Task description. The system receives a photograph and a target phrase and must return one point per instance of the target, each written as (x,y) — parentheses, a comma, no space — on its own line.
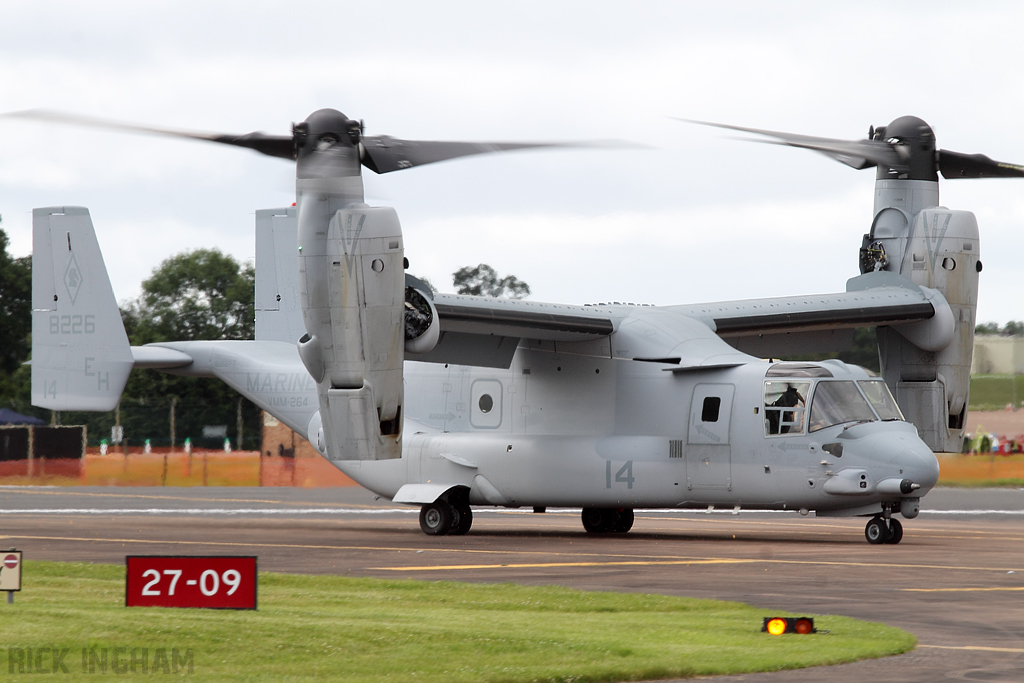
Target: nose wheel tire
(896,532)
(878,533)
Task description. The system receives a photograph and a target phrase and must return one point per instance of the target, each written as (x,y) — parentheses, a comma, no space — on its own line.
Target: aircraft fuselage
(563,430)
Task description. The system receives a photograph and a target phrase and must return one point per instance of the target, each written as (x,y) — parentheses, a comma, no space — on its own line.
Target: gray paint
(582,430)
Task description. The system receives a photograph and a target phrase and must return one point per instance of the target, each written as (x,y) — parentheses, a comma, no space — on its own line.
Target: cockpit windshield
(881,399)
(838,402)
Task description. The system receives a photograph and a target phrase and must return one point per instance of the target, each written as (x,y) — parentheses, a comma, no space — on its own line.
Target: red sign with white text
(217,582)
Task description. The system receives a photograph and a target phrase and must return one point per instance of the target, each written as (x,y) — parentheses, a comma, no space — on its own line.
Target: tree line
(1014,328)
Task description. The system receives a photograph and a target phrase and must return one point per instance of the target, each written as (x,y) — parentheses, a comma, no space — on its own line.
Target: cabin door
(708,453)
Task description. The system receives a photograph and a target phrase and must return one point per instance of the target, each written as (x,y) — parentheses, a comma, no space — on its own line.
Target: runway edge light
(776,626)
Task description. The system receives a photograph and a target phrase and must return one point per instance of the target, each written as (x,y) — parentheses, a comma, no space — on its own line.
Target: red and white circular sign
(11,561)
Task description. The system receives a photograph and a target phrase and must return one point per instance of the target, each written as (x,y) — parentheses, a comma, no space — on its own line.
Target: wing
(825,322)
(486,332)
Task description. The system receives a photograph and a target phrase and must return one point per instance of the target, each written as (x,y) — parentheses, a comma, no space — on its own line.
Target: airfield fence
(162,467)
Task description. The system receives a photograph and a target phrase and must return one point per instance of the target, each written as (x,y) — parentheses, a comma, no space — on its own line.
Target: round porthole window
(486,403)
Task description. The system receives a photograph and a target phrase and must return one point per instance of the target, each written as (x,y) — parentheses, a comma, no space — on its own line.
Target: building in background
(998,355)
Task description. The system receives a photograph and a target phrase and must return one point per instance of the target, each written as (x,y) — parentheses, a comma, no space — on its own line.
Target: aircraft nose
(921,466)
(902,455)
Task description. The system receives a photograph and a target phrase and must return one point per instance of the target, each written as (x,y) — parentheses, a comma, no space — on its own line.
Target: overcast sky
(700,216)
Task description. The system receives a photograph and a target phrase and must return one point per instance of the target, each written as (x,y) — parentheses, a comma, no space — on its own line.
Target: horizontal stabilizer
(159,358)
(80,352)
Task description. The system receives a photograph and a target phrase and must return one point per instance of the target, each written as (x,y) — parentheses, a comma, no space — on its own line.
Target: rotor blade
(273,145)
(854,153)
(383,153)
(956,165)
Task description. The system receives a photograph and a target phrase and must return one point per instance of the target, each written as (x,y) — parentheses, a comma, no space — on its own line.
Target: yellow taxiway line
(546,565)
(973,647)
(698,560)
(962,590)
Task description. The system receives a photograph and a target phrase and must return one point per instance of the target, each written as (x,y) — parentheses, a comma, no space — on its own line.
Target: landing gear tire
(625,520)
(895,532)
(437,518)
(596,520)
(876,532)
(464,522)
(607,520)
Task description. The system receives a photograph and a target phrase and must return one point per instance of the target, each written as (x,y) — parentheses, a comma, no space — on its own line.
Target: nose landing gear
(884,529)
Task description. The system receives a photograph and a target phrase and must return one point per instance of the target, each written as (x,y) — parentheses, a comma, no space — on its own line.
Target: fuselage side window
(784,406)
(710,409)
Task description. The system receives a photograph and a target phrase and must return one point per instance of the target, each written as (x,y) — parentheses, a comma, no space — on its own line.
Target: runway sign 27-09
(188,581)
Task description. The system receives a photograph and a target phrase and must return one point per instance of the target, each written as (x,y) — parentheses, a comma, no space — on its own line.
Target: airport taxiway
(956,581)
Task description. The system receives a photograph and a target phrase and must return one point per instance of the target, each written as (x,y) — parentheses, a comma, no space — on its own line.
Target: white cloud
(699,217)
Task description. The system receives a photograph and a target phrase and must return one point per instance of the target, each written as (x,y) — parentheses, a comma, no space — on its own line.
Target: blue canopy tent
(9,417)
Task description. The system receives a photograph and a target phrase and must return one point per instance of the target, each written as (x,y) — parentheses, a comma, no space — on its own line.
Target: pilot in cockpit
(790,398)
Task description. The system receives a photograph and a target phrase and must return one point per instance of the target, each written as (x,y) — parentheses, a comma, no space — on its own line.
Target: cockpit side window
(881,399)
(784,406)
(838,402)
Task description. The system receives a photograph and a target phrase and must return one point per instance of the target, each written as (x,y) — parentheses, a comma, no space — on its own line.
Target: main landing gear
(443,517)
(607,520)
(878,532)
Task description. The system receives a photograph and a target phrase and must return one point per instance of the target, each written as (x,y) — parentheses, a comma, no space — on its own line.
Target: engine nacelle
(422,329)
(352,276)
(937,248)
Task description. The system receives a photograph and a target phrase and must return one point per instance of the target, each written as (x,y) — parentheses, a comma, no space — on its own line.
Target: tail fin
(278,313)
(81,357)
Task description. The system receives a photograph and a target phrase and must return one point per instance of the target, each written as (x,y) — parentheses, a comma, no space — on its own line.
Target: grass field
(318,628)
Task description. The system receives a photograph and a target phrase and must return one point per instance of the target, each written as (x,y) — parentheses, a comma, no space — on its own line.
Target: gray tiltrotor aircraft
(447,401)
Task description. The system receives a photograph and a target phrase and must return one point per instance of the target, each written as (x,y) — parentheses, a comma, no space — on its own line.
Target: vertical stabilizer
(278,313)
(80,352)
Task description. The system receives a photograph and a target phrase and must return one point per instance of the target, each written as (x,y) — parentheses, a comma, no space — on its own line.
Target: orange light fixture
(776,626)
(803,626)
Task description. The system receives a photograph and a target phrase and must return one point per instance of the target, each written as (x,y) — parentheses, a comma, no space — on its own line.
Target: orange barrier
(201,468)
(52,471)
(247,468)
(978,469)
